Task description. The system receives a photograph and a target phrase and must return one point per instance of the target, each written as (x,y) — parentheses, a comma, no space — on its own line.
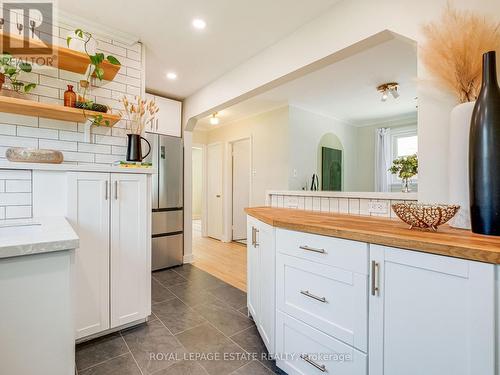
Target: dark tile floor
(199,326)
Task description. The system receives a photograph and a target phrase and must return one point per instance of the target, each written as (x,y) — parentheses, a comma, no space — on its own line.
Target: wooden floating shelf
(62,57)
(52,111)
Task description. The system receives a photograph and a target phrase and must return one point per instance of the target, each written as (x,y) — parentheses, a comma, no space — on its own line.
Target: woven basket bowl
(425,216)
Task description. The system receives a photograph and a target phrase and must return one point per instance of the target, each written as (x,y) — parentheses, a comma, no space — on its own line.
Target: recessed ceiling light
(199,24)
(171,75)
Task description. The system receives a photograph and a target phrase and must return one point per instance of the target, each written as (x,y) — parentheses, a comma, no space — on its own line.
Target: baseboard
(188,258)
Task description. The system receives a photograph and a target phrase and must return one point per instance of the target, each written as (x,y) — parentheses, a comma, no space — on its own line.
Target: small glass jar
(70,97)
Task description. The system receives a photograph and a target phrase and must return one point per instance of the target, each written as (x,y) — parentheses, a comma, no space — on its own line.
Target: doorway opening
(241,186)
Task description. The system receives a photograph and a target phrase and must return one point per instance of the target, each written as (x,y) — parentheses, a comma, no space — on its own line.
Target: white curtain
(382,159)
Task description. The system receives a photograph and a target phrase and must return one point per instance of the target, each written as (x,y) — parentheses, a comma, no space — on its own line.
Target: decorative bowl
(425,216)
(33,155)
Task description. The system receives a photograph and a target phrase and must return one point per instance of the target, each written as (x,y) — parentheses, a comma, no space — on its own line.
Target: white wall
(305,132)
(349,22)
(197,161)
(268,133)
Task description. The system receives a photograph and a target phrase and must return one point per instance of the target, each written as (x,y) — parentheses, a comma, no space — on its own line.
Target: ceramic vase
(458,165)
(484,153)
(134,148)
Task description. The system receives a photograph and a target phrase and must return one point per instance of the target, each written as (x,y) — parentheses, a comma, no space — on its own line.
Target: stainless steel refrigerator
(168,219)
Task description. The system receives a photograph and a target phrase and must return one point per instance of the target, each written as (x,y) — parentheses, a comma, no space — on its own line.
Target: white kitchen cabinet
(129,258)
(261,260)
(88,213)
(430,314)
(111,214)
(168,119)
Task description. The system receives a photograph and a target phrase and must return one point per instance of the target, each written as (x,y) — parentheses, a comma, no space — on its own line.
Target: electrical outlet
(375,207)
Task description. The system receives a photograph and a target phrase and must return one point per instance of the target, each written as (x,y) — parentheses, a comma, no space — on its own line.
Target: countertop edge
(410,242)
(74,168)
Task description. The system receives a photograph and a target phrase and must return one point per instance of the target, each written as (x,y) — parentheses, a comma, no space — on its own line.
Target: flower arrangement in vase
(452,53)
(138,115)
(405,168)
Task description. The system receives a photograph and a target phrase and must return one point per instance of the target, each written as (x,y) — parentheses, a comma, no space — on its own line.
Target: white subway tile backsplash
(57,124)
(78,156)
(7,129)
(18,186)
(27,131)
(10,199)
(109,140)
(18,212)
(2,186)
(15,174)
(2,213)
(58,145)
(94,148)
(24,131)
(71,136)
(10,118)
(12,141)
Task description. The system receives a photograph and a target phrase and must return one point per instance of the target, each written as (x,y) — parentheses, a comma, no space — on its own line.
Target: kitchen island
(389,299)
(37,296)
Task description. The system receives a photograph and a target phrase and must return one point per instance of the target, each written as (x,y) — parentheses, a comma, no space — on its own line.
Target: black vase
(484,153)
(134,148)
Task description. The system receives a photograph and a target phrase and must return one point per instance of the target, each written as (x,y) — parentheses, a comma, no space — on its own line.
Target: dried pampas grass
(454,48)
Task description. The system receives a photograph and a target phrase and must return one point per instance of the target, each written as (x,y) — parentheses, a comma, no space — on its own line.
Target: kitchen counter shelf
(52,111)
(61,57)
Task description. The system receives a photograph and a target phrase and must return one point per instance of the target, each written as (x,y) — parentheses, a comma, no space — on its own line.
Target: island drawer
(333,300)
(303,350)
(337,252)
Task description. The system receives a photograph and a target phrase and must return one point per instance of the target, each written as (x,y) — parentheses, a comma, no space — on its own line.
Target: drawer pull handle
(313,249)
(375,279)
(306,358)
(310,295)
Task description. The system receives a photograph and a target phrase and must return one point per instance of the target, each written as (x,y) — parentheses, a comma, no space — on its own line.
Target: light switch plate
(375,207)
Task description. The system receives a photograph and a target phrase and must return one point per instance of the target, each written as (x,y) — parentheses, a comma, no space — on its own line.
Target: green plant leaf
(25,67)
(100,57)
(113,60)
(10,71)
(68,40)
(99,73)
(79,33)
(107,122)
(29,87)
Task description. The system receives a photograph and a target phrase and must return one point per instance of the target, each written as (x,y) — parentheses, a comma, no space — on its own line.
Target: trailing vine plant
(94,69)
(11,68)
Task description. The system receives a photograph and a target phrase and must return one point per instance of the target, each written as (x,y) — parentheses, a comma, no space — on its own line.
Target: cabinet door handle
(253,236)
(306,358)
(375,278)
(313,249)
(106,190)
(116,190)
(256,233)
(310,295)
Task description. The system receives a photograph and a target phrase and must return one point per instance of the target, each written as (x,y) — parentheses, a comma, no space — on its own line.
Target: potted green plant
(10,68)
(405,168)
(94,69)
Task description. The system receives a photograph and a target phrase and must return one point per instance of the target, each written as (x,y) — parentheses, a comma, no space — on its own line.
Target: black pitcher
(484,153)
(134,149)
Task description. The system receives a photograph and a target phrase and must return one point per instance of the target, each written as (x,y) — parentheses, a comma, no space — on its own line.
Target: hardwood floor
(226,261)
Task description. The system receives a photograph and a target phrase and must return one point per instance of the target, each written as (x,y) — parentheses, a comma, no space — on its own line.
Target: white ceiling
(236,30)
(345,90)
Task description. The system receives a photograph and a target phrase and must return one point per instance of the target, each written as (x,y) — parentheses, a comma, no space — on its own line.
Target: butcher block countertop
(384,231)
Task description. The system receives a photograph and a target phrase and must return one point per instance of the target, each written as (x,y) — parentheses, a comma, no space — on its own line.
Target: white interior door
(241,187)
(215,156)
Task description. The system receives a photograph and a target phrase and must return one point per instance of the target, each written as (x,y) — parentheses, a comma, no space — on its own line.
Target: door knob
(218,195)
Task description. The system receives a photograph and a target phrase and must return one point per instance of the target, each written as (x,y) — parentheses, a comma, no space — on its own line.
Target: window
(404,143)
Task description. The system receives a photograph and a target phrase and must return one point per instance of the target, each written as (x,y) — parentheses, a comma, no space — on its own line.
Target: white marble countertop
(23,237)
(74,167)
(347,194)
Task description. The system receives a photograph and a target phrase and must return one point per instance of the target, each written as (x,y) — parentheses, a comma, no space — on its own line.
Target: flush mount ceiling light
(214,120)
(199,24)
(388,88)
(171,76)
